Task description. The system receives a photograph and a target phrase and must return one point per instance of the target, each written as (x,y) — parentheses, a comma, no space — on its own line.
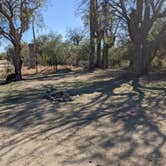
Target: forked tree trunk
(142,60)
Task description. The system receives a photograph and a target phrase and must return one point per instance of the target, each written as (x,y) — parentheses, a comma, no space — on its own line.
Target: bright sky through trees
(59,15)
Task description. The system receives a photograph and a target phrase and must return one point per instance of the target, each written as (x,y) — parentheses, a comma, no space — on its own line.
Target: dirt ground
(111,121)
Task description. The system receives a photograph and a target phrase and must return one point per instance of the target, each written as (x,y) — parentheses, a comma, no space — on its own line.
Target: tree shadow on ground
(57,75)
(112,126)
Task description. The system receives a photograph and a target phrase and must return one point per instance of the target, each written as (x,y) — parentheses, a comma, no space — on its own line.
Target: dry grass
(45,69)
(40,70)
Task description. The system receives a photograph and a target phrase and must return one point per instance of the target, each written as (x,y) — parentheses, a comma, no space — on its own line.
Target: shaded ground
(111,121)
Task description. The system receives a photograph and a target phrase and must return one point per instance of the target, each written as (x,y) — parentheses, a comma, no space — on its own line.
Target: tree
(110,25)
(99,34)
(51,49)
(103,25)
(25,53)
(37,22)
(15,17)
(76,35)
(140,16)
(92,20)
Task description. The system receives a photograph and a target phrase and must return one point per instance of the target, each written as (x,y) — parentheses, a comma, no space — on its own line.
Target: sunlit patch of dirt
(109,121)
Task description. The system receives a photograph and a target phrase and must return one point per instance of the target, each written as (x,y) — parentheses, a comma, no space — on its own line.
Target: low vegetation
(94,98)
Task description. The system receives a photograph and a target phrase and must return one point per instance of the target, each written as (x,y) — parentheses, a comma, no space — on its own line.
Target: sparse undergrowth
(110,121)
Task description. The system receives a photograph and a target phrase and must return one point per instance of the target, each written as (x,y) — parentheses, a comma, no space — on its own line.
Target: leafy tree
(109,28)
(103,25)
(140,16)
(51,49)
(15,17)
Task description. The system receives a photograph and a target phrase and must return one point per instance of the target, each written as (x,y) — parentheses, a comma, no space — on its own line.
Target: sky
(59,15)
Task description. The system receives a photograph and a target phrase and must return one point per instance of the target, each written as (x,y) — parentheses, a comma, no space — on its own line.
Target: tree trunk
(105,56)
(92,33)
(98,60)
(146,57)
(98,36)
(142,58)
(131,64)
(92,52)
(34,41)
(18,62)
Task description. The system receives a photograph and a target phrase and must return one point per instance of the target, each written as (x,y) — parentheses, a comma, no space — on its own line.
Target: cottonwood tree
(103,25)
(109,28)
(140,16)
(15,16)
(88,10)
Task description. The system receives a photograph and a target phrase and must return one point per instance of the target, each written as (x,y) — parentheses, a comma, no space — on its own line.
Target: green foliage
(25,54)
(119,55)
(156,63)
(83,51)
(3,56)
(53,51)
(10,53)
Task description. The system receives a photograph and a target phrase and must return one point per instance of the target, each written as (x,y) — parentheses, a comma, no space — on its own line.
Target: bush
(8,69)
(156,63)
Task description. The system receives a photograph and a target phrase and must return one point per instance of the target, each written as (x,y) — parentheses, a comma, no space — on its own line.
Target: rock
(57,95)
(11,77)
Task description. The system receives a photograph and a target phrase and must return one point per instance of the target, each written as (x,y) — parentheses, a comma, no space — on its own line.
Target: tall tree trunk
(34,41)
(98,60)
(105,10)
(139,27)
(18,62)
(146,59)
(92,33)
(105,56)
(142,57)
(98,36)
